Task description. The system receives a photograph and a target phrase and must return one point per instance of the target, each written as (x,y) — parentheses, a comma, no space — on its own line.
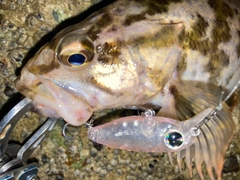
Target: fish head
(101,63)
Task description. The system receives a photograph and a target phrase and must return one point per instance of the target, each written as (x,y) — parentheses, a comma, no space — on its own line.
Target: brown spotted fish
(175,56)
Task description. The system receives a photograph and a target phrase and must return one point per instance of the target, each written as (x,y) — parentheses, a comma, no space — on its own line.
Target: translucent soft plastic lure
(204,137)
(148,133)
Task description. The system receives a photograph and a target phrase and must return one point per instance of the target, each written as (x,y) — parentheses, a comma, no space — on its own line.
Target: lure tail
(210,145)
(215,134)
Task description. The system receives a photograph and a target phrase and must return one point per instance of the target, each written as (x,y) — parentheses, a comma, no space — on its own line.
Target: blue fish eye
(173,139)
(77,59)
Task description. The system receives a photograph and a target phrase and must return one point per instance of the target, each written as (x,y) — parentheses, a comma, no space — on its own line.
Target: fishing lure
(202,137)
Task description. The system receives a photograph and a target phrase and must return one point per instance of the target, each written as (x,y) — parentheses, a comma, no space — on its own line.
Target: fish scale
(174,56)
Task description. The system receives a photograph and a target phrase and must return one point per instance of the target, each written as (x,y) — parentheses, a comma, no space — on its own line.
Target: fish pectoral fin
(182,101)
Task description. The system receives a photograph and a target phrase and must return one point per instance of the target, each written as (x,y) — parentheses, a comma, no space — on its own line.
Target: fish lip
(50,103)
(30,93)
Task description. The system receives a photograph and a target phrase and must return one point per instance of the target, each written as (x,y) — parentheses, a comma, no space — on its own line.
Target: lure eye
(173,139)
(75,51)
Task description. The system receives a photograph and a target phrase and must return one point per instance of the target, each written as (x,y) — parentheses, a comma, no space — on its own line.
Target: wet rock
(105,161)
(131,178)
(179,178)
(15,33)
(12,6)
(4,68)
(22,38)
(16,56)
(45,159)
(97,146)
(58,15)
(3,41)
(31,21)
(21,2)
(132,166)
(151,166)
(116,151)
(119,171)
(36,178)
(3,1)
(59,177)
(103,172)
(8,91)
(149,178)
(4,5)
(12,44)
(144,175)
(11,26)
(230,164)
(109,167)
(40,16)
(93,152)
(113,162)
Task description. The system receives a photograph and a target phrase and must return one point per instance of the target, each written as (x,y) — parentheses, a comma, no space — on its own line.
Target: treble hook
(88,124)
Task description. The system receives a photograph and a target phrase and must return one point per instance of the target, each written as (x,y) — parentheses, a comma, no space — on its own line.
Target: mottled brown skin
(192,39)
(220,34)
(115,19)
(44,69)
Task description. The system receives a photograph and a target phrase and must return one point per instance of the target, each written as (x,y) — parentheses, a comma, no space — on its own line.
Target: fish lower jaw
(45,111)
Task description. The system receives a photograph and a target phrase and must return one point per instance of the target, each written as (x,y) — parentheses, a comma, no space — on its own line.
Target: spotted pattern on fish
(101,86)
(163,38)
(182,64)
(22,88)
(155,6)
(103,21)
(221,33)
(44,68)
(134,18)
(109,52)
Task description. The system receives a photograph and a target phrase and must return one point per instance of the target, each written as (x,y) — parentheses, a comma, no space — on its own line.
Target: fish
(173,56)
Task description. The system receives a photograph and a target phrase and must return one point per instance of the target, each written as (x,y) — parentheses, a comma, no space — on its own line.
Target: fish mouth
(50,100)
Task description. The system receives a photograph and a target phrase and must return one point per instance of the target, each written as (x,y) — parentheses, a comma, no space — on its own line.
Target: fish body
(132,50)
(176,56)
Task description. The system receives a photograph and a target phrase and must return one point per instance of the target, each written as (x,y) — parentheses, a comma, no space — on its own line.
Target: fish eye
(75,50)
(76,59)
(173,139)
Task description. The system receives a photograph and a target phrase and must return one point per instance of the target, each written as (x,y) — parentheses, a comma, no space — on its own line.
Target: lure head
(148,134)
(103,62)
